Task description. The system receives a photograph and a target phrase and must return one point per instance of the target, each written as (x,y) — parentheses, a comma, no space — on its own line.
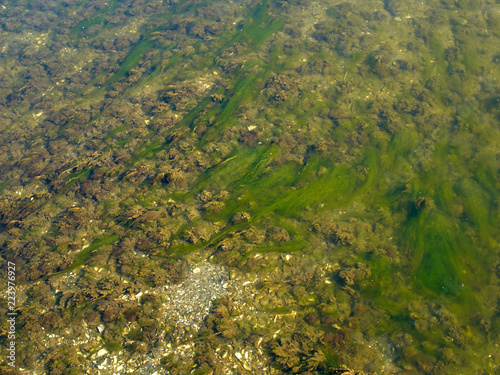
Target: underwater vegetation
(207,187)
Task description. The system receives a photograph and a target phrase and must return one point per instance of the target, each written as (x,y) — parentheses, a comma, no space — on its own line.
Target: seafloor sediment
(247,187)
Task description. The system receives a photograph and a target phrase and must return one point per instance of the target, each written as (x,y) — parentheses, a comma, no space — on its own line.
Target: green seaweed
(130,61)
(96,19)
(437,251)
(77,177)
(366,132)
(3,185)
(290,247)
(85,255)
(114,132)
(476,204)
(258,26)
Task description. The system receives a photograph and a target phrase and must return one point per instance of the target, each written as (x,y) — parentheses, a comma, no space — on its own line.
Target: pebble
(190,301)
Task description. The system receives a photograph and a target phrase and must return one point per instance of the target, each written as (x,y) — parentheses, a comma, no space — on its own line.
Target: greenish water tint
(365,134)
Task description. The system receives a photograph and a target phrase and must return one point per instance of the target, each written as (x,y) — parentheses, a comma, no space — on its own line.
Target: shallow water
(338,160)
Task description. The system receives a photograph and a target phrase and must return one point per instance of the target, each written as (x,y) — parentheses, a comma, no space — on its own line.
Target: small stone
(240,217)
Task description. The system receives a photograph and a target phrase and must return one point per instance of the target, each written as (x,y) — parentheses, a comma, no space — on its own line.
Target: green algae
(433,200)
(130,61)
(257,27)
(290,247)
(242,92)
(3,185)
(476,203)
(258,30)
(435,251)
(77,177)
(112,346)
(92,250)
(96,19)
(114,132)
